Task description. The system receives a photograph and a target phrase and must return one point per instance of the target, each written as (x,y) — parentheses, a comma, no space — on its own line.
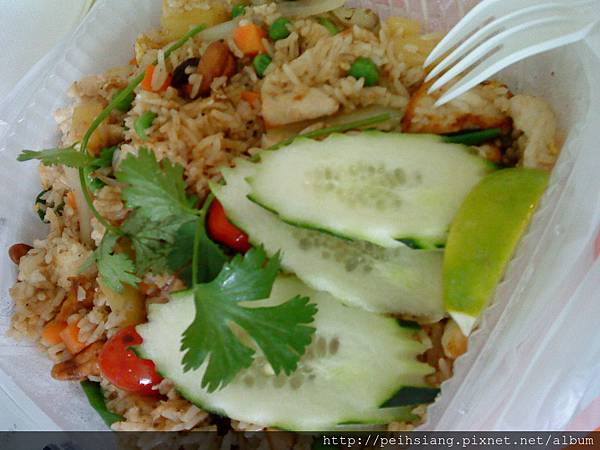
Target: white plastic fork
(498,33)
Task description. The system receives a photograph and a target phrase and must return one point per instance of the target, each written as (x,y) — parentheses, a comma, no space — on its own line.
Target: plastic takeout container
(534,363)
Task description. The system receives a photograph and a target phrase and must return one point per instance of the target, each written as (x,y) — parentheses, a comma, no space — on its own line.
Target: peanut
(17,251)
(80,366)
(216,62)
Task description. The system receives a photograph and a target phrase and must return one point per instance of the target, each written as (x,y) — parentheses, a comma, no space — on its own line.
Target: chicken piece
(294,107)
(81,366)
(482,107)
(535,128)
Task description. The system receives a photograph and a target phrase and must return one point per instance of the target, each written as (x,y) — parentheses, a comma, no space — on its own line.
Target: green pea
(238,10)
(125,104)
(260,63)
(279,29)
(329,25)
(365,68)
(144,122)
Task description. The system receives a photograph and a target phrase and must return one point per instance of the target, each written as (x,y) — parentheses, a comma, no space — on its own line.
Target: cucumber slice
(356,361)
(378,187)
(382,280)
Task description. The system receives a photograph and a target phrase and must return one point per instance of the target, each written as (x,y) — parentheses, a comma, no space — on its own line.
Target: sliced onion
(305,8)
(221,31)
(83,211)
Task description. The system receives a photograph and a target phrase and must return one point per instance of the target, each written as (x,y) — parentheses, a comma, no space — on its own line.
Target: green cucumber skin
(420,244)
(413,243)
(382,386)
(410,324)
(347,226)
(405,281)
(401,413)
(306,226)
(411,395)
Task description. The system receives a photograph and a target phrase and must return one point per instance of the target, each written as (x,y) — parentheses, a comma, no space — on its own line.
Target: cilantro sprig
(281,332)
(155,192)
(167,232)
(163,222)
(162,210)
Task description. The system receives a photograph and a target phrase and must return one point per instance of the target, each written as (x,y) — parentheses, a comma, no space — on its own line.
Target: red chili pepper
(221,230)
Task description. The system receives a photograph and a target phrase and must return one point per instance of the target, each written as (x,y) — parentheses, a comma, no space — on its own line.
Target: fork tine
(496,26)
(483,50)
(467,25)
(501,39)
(511,53)
(479,15)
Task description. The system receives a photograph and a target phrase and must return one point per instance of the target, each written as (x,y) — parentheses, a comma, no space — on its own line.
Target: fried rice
(304,87)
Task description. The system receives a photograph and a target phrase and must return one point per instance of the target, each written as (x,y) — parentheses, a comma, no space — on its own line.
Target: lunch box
(534,361)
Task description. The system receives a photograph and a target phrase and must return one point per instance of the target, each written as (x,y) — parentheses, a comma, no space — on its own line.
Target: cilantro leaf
(210,258)
(248,278)
(281,331)
(156,188)
(114,268)
(180,257)
(153,240)
(58,156)
(156,191)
